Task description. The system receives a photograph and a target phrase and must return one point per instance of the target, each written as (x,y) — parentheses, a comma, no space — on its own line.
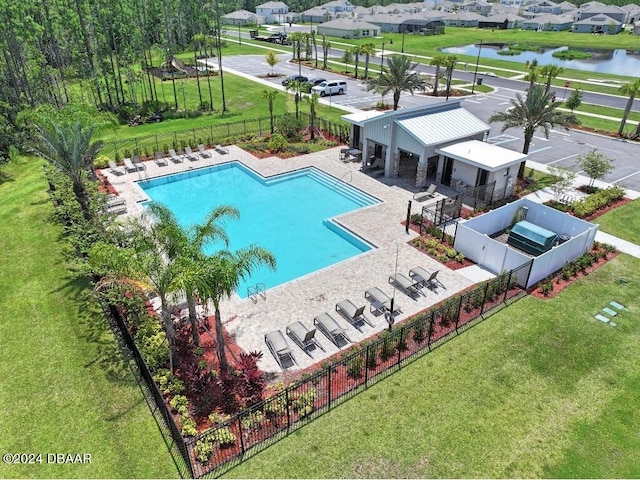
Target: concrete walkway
(546,194)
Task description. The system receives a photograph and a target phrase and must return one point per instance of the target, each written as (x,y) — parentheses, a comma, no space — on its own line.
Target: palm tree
(450,64)
(295,87)
(325,51)
(631,90)
(184,249)
(367,50)
(550,72)
(270,95)
(140,266)
(532,73)
(355,52)
(69,148)
(313,100)
(223,273)
(397,77)
(438,61)
(537,111)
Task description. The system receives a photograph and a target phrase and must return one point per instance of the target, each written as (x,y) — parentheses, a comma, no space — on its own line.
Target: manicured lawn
(541,389)
(623,222)
(64,386)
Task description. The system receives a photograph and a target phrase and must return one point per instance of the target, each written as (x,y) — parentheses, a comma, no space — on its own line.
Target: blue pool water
(289,214)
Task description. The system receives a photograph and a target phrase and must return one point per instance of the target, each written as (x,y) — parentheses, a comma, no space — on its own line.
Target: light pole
(402,47)
(239,37)
(382,59)
(389,314)
(475,74)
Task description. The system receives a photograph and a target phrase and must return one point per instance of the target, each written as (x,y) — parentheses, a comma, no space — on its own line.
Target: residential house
(339,6)
(317,15)
(545,6)
(481,8)
(430,144)
(548,22)
(512,3)
(598,24)
(463,19)
(273,12)
(567,8)
(633,13)
(591,9)
(242,17)
(501,21)
(348,28)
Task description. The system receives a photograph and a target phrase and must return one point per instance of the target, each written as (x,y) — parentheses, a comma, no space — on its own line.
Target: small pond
(619,62)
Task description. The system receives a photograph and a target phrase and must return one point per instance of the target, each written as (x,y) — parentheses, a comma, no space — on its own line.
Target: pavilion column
(421,175)
(395,165)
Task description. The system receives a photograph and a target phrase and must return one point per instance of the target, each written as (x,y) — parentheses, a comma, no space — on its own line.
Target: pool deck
(306,297)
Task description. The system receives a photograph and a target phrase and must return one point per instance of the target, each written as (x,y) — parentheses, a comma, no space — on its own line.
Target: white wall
(464,172)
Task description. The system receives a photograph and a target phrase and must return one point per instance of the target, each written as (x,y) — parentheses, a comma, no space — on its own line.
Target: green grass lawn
(64,388)
(623,222)
(540,389)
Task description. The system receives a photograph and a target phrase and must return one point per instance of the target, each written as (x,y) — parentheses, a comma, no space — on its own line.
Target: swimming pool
(290,214)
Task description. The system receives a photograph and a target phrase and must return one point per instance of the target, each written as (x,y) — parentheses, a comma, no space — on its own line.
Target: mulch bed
(560,284)
(601,211)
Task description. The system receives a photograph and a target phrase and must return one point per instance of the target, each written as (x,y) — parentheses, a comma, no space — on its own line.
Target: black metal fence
(250,431)
(167,425)
(211,135)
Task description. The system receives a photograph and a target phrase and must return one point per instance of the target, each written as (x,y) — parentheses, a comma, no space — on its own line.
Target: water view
(619,62)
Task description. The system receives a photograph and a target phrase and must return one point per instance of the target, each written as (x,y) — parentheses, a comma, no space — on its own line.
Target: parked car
(312,82)
(293,78)
(330,87)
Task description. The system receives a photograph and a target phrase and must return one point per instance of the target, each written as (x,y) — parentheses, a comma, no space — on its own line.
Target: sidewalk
(545,194)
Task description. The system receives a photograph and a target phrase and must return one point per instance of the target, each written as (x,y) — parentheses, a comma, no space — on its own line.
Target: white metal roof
(482,154)
(438,127)
(359,117)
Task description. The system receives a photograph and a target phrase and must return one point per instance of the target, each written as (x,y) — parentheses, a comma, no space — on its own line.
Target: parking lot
(562,148)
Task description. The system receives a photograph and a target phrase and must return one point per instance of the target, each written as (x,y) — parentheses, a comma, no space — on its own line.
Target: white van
(330,87)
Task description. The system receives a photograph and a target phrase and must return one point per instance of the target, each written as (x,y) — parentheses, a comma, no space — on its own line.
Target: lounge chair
(422,276)
(279,347)
(204,153)
(428,193)
(328,325)
(380,302)
(128,166)
(115,169)
(377,164)
(351,313)
(410,286)
(222,150)
(303,336)
(137,161)
(160,160)
(114,201)
(175,158)
(190,155)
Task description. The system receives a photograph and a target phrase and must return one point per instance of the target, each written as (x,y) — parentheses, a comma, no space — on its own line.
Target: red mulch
(104,186)
(560,284)
(451,264)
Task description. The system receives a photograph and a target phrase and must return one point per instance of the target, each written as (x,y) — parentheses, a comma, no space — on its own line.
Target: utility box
(479,80)
(531,238)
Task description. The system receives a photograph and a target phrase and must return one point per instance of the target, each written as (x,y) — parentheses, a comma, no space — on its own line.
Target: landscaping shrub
(354,367)
(224,437)
(204,449)
(152,342)
(289,126)
(302,402)
(602,198)
(277,143)
(188,426)
(179,404)
(252,420)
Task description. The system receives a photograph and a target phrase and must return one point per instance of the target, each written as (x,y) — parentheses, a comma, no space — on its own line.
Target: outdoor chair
(190,155)
(128,166)
(380,301)
(426,279)
(204,153)
(328,325)
(428,193)
(114,201)
(160,160)
(175,158)
(303,336)
(115,169)
(343,154)
(279,347)
(351,313)
(222,150)
(137,161)
(410,286)
(375,166)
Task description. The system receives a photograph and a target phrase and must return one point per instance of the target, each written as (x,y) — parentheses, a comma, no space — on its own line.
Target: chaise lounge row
(134,163)
(380,303)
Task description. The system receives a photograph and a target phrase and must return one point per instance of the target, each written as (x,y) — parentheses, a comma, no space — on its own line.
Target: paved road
(561,149)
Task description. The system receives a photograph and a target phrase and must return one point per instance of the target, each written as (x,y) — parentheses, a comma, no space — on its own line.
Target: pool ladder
(256,292)
(349,172)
